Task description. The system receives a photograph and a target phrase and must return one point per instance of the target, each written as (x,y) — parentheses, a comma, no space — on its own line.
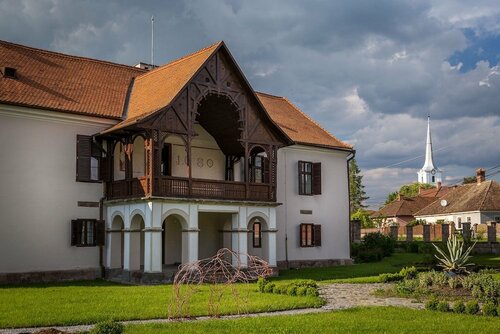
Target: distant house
(402,210)
(476,203)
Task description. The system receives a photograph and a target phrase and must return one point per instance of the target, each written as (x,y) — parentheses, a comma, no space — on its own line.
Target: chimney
(480,175)
(438,185)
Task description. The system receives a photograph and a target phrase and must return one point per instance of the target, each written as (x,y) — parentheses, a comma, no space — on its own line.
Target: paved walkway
(338,296)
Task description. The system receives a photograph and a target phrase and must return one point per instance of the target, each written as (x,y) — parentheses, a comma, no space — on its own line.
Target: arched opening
(119,161)
(258,243)
(137,243)
(174,249)
(138,162)
(258,165)
(116,243)
(219,116)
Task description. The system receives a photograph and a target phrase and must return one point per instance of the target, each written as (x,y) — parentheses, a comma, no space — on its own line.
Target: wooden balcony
(169,186)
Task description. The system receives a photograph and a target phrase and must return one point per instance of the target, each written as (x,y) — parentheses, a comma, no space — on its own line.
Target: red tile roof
(296,124)
(404,206)
(465,198)
(55,81)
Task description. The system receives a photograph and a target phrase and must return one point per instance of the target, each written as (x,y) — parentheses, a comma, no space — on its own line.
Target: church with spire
(429,173)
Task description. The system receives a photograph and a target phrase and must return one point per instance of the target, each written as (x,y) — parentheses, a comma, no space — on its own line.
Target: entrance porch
(147,240)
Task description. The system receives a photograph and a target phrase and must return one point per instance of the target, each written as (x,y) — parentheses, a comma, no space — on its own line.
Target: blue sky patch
(480,48)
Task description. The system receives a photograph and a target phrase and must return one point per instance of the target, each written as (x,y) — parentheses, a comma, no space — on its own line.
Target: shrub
(443,306)
(261,283)
(108,327)
(489,309)
(498,310)
(312,292)
(431,304)
(301,291)
(412,247)
(482,286)
(432,278)
(459,307)
(373,247)
(405,273)
(472,307)
(269,287)
(292,290)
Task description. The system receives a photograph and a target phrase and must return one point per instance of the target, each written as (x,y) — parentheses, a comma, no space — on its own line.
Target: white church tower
(429,172)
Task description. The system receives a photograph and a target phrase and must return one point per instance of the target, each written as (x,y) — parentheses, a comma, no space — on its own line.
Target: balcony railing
(169,186)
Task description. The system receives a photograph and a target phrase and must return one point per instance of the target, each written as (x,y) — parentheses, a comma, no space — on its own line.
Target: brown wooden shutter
(83,155)
(104,169)
(316,178)
(301,237)
(317,235)
(100,232)
(75,231)
(265,170)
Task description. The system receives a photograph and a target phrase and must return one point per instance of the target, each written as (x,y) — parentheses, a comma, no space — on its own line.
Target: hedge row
(294,288)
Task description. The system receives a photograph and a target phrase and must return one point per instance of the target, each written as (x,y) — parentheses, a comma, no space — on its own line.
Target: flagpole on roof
(152,40)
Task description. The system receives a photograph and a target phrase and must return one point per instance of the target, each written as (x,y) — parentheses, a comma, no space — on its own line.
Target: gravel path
(338,296)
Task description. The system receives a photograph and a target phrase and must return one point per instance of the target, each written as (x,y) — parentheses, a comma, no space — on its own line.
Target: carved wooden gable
(220,76)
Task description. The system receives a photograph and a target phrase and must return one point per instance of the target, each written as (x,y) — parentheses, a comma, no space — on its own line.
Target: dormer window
(9,72)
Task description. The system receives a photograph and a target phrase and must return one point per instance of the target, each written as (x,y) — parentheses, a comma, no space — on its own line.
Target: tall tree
(357,192)
(469,179)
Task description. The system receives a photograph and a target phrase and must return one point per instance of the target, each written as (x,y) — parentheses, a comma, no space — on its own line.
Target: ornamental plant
(456,259)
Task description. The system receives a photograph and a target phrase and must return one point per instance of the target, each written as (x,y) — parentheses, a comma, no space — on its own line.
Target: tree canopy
(408,190)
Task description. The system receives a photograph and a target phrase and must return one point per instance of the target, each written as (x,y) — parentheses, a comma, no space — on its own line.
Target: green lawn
(90,302)
(361,320)
(487,260)
(357,273)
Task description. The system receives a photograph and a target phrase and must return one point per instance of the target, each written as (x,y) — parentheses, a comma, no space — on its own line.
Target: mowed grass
(487,260)
(360,320)
(357,273)
(90,302)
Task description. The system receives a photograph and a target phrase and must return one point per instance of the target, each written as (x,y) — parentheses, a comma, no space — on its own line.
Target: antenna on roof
(152,41)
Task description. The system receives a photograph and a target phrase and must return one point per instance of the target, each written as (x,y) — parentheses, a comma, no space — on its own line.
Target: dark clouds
(370,71)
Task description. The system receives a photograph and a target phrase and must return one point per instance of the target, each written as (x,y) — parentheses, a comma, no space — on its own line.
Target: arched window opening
(257,234)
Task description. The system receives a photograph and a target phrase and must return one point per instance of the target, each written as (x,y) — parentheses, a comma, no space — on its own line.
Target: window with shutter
(309,235)
(88,158)
(87,232)
(316,176)
(305,178)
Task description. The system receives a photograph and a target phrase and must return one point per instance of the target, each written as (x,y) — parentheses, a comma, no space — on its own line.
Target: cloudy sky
(369,71)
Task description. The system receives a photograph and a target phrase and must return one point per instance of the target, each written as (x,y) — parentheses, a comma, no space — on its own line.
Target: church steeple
(429,162)
(429,173)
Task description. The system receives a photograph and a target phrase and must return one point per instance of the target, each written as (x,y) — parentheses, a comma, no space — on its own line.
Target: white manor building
(429,173)
(115,170)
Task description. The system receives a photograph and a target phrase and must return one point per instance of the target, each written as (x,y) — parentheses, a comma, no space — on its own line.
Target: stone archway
(258,240)
(174,249)
(117,243)
(136,255)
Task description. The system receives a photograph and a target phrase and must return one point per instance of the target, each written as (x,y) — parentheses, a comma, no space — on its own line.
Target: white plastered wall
(39,192)
(330,209)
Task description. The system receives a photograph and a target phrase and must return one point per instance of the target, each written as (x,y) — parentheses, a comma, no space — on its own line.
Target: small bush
(261,283)
(373,247)
(443,306)
(108,327)
(301,291)
(431,304)
(405,273)
(489,309)
(472,307)
(498,310)
(459,307)
(409,272)
(482,286)
(268,288)
(312,292)
(292,290)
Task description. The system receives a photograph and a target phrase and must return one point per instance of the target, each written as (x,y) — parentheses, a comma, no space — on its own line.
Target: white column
(152,238)
(190,237)
(239,236)
(109,244)
(271,235)
(126,238)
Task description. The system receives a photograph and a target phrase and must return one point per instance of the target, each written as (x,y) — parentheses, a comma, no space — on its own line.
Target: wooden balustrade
(169,186)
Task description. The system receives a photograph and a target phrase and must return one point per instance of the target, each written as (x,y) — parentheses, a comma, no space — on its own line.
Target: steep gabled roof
(297,125)
(404,206)
(55,81)
(435,192)
(465,198)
